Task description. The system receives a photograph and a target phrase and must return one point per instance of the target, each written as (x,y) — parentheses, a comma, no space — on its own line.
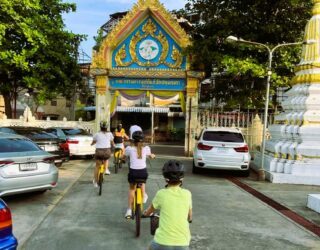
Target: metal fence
(250,124)
(230,119)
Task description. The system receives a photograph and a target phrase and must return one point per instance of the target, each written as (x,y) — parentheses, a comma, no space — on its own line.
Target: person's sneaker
(145,198)
(128,214)
(95,184)
(107,172)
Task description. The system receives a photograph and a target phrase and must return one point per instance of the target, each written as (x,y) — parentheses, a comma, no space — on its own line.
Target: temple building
(140,69)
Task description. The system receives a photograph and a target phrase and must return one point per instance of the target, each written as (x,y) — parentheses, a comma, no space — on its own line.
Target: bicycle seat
(102,158)
(137,181)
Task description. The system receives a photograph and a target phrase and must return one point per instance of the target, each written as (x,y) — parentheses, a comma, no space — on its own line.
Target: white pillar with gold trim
(103,100)
(191,114)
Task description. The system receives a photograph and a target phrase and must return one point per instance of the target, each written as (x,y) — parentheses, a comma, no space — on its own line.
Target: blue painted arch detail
(126,43)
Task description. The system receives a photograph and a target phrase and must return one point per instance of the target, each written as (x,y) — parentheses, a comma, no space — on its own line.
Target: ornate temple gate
(143,56)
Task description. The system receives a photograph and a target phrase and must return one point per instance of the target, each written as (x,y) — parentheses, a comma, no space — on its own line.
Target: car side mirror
(197,137)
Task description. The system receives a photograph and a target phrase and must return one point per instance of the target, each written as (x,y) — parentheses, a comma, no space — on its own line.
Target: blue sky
(91,14)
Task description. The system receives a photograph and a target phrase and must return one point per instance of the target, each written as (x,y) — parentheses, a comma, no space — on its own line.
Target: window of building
(53,102)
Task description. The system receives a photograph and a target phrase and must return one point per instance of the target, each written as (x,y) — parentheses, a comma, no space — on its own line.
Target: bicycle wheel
(116,164)
(138,219)
(100,181)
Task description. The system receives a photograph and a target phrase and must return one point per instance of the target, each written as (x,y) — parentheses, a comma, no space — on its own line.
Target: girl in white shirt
(138,167)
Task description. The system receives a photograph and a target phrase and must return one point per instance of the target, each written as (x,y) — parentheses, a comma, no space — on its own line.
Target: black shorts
(135,174)
(103,153)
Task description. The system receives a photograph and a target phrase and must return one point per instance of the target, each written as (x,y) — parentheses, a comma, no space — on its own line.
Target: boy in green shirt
(175,205)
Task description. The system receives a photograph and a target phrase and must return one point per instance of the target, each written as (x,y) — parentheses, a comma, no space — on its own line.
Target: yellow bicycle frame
(102,168)
(118,154)
(138,198)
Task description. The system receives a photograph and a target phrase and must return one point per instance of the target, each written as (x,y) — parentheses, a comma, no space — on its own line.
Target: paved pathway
(225,216)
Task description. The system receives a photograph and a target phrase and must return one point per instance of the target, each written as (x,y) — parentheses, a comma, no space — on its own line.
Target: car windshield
(7,130)
(75,131)
(34,133)
(8,145)
(222,136)
(52,131)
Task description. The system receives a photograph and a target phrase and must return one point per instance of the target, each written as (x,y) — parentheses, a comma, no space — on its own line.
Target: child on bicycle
(137,154)
(103,141)
(175,205)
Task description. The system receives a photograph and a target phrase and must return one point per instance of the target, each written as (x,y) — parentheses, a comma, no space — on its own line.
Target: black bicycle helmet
(103,125)
(173,170)
(138,136)
(119,127)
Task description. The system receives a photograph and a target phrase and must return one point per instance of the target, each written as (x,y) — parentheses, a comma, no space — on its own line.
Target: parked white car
(221,148)
(78,140)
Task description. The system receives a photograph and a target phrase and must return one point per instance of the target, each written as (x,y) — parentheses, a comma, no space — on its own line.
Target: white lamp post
(234,39)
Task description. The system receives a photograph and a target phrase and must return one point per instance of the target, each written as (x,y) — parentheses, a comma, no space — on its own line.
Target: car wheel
(195,169)
(245,173)
(41,191)
(89,157)
(58,165)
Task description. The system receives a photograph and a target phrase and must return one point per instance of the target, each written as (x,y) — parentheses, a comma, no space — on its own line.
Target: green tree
(36,52)
(269,22)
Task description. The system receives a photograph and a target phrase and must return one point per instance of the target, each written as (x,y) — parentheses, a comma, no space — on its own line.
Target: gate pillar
(103,100)
(191,113)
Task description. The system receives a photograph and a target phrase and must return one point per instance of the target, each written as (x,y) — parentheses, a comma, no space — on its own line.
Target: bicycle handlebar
(150,216)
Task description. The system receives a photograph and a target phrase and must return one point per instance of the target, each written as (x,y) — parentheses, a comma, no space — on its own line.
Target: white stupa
(293,153)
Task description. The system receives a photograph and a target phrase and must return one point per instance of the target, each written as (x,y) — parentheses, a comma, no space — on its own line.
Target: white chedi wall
(293,153)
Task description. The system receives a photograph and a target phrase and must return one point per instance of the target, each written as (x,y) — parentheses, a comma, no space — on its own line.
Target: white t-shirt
(103,139)
(136,163)
(133,129)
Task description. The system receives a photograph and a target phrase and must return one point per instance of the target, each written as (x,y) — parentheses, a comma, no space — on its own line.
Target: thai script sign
(147,83)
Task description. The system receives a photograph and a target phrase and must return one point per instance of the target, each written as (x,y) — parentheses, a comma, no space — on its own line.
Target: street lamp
(233,39)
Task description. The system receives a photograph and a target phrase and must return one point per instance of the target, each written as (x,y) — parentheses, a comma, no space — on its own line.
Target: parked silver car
(221,148)
(78,140)
(24,166)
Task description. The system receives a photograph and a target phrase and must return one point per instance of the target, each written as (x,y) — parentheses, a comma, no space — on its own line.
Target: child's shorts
(156,246)
(103,154)
(118,145)
(135,174)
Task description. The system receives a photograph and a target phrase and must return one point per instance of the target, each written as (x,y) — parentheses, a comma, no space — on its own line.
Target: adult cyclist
(175,205)
(119,137)
(122,131)
(134,128)
(103,140)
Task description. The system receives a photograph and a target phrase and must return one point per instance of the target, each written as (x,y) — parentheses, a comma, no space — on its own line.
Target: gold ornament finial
(316,7)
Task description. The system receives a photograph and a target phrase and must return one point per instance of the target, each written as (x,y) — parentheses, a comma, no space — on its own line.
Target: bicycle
(117,159)
(154,221)
(100,176)
(137,207)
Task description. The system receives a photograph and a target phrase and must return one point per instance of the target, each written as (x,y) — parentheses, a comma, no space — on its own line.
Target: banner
(147,84)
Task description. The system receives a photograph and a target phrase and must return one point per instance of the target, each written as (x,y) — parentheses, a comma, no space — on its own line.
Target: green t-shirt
(174,204)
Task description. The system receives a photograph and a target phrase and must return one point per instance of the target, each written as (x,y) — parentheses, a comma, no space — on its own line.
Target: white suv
(221,148)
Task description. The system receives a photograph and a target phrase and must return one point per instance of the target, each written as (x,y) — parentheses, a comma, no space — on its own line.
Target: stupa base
(288,171)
